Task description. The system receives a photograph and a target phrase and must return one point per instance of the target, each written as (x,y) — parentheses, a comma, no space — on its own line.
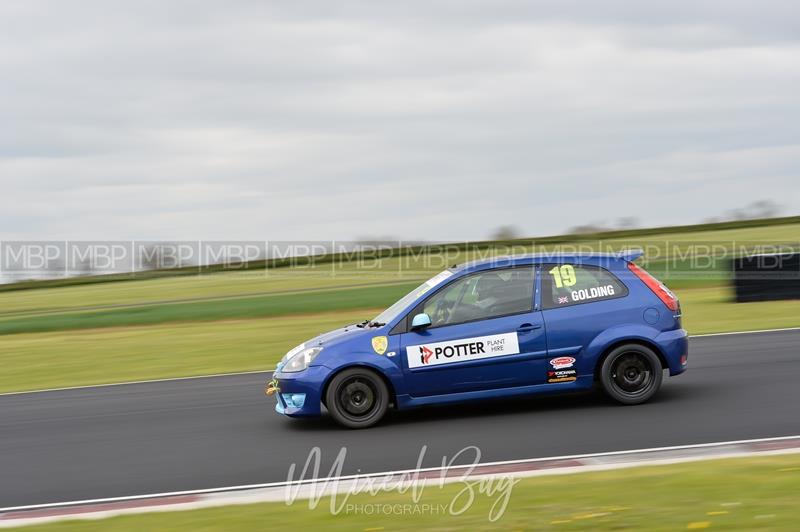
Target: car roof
(541,258)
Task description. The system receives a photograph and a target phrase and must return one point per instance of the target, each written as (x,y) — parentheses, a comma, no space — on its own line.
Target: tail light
(658,288)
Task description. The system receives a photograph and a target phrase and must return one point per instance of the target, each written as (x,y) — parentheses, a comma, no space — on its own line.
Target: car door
(484,334)
(579,301)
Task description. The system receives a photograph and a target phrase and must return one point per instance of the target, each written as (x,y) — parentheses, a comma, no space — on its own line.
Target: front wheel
(631,374)
(357,398)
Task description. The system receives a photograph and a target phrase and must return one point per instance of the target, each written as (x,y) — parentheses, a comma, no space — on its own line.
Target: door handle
(529,327)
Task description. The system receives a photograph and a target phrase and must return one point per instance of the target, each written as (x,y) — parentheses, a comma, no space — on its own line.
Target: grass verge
(711,310)
(100,356)
(237,308)
(682,269)
(117,354)
(732,494)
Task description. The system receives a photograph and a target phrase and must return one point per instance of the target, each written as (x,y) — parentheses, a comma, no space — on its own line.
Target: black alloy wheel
(631,374)
(357,398)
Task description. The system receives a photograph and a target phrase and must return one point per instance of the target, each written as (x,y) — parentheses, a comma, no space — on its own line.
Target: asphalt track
(221,431)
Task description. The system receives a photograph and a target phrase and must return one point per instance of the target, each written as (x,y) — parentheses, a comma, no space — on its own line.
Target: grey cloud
(418,119)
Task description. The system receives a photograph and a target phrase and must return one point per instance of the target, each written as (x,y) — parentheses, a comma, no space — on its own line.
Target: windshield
(392,312)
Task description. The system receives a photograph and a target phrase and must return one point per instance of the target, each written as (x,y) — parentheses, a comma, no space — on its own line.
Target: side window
(571,284)
(482,295)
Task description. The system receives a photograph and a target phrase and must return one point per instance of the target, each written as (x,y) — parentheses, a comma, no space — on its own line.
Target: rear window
(564,285)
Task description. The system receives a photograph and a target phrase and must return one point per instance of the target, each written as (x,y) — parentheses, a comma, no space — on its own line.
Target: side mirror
(420,321)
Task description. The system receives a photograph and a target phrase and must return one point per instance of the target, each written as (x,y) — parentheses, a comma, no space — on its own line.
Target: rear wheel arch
(626,341)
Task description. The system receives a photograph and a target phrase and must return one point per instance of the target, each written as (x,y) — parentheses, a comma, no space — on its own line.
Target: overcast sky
(438,120)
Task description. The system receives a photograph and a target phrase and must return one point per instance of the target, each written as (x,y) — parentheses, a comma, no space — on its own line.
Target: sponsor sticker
(379,344)
(562,362)
(562,375)
(478,348)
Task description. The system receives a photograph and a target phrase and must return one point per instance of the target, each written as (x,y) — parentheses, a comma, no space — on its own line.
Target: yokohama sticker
(562,375)
(420,356)
(562,362)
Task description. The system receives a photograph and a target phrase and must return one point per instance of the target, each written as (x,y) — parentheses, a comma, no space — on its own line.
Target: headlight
(292,352)
(300,359)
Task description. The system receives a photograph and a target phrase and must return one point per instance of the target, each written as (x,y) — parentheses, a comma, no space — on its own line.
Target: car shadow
(473,409)
(589,400)
(497,407)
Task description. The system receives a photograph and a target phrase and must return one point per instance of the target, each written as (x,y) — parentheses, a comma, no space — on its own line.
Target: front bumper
(288,387)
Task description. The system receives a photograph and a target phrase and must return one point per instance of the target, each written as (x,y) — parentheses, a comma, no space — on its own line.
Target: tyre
(357,398)
(631,374)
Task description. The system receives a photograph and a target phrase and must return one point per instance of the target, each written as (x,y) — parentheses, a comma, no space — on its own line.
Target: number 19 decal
(563,275)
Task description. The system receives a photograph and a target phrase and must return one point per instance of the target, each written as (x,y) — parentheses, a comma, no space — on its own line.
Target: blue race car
(495,328)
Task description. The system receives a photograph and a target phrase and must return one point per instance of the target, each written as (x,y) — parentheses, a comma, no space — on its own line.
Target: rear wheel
(357,398)
(631,374)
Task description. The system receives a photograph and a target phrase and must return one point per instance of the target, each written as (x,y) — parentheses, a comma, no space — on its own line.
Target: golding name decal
(592,293)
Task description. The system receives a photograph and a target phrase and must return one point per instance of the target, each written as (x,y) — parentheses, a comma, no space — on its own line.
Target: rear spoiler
(630,255)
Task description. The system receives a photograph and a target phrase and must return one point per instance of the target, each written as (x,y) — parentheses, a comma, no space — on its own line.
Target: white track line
(169,379)
(758,331)
(254,372)
(388,473)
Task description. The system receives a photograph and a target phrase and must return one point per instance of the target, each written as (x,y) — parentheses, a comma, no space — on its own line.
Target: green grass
(116,354)
(710,310)
(321,287)
(75,358)
(235,308)
(225,322)
(705,310)
(733,494)
(211,287)
(677,272)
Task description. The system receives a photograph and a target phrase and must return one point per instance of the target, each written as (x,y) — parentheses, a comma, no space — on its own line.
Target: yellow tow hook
(272,387)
